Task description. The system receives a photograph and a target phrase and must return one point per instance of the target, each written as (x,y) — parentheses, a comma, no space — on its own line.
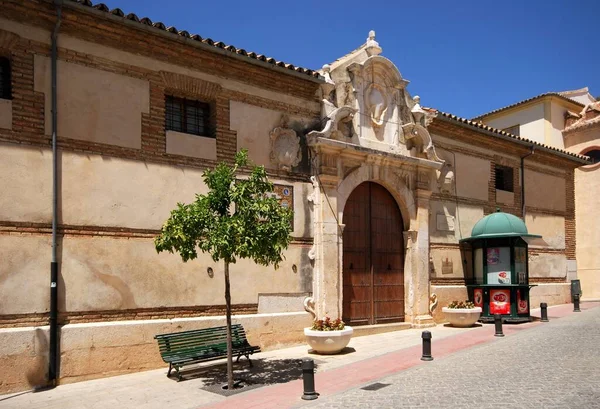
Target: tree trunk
(228,314)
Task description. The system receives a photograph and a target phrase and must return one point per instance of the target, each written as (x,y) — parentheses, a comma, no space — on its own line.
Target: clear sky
(463,57)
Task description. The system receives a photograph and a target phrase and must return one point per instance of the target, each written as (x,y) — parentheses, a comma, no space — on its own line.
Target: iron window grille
(5,78)
(187,116)
(504,178)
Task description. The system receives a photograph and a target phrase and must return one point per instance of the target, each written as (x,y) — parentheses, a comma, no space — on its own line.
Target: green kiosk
(497,269)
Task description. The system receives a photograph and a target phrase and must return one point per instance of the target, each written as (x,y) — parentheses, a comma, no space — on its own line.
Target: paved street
(555,365)
(537,365)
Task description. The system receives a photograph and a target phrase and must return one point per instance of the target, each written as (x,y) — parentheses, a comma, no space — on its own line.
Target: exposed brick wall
(22,320)
(570,227)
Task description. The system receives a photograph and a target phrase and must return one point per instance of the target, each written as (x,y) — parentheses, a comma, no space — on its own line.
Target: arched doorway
(373,264)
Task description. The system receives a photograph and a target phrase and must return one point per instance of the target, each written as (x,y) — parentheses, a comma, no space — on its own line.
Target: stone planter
(462,317)
(328,342)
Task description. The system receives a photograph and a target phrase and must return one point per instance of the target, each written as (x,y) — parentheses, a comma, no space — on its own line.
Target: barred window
(504,178)
(5,91)
(187,116)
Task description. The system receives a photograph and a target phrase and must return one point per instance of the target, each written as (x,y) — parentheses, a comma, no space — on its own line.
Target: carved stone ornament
(377,104)
(446,180)
(285,146)
(419,143)
(339,124)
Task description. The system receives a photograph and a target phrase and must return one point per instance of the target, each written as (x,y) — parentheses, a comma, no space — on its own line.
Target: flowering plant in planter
(462,313)
(461,304)
(327,324)
(328,336)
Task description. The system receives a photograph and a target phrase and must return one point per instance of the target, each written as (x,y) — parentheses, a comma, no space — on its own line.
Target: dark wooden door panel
(373,259)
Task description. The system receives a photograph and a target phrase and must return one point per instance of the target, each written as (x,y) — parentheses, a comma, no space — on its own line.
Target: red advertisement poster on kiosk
(478,297)
(499,301)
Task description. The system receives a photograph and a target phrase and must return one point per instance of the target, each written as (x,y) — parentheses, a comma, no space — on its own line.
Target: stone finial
(417,99)
(372,45)
(326,68)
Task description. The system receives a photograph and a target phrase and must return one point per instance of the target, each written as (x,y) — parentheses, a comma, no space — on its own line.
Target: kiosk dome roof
(499,224)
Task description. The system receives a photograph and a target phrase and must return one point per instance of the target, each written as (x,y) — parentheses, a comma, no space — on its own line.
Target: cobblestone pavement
(554,365)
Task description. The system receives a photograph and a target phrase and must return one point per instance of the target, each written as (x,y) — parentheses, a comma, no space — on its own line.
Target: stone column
(418,249)
(327,243)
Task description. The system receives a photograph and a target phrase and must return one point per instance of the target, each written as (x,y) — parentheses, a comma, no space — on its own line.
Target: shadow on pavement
(263,371)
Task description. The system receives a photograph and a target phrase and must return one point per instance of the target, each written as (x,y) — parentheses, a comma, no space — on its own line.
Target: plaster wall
(94,105)
(443,216)
(504,197)
(548,266)
(253,126)
(550,227)
(98,50)
(103,191)
(472,176)
(191,145)
(105,273)
(90,351)
(587,199)
(26,181)
(5,113)
(556,125)
(531,120)
(544,191)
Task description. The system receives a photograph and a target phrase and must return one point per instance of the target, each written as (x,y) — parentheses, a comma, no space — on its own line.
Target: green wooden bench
(189,347)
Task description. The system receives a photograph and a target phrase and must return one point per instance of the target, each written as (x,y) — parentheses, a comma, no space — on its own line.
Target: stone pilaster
(417,245)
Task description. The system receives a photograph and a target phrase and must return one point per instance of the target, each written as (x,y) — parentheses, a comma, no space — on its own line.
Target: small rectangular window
(504,178)
(514,130)
(5,78)
(187,116)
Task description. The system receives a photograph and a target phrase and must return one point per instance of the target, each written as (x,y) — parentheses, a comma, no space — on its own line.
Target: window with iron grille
(187,116)
(504,178)
(5,92)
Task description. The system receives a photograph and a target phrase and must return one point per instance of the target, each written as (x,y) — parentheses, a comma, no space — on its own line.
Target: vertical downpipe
(53,352)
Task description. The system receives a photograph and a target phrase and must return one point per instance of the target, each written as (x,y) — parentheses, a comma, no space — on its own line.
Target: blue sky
(464,57)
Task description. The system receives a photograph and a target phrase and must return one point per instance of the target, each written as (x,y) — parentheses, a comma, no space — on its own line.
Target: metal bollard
(498,323)
(426,335)
(576,303)
(308,378)
(544,313)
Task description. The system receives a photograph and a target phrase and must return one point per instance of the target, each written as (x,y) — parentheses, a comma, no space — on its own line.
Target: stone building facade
(382,189)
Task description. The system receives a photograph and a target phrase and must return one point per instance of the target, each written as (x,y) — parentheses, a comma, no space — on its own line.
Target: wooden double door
(373,263)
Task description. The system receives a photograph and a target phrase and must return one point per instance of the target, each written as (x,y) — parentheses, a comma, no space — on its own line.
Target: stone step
(362,330)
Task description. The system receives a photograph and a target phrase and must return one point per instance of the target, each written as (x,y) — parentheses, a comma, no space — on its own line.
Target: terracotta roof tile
(492,130)
(556,94)
(145,20)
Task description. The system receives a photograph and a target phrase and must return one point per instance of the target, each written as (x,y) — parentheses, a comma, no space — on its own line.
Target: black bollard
(426,335)
(576,303)
(308,378)
(498,323)
(544,313)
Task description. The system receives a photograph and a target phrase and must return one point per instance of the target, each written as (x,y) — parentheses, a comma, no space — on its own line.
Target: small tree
(237,218)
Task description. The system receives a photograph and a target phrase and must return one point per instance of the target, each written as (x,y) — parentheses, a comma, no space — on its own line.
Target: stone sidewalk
(368,358)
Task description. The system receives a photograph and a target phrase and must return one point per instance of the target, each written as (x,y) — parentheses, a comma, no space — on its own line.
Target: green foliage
(461,304)
(328,325)
(237,218)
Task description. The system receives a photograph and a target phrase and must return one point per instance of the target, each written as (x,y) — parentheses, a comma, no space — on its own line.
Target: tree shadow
(263,372)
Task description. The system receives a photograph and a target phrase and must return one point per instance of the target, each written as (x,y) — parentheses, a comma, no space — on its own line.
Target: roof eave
(520,104)
(188,41)
(522,142)
(499,236)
